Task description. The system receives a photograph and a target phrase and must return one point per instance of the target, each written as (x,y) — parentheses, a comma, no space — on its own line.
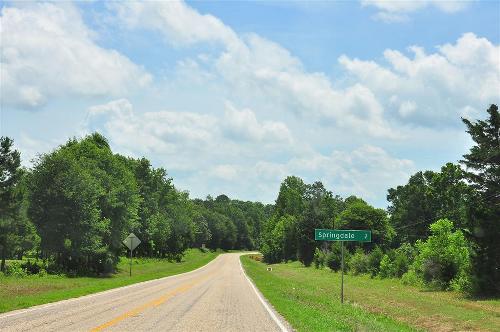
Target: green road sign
(342,235)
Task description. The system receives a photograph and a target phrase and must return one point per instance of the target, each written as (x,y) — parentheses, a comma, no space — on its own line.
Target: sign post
(131,242)
(342,267)
(342,235)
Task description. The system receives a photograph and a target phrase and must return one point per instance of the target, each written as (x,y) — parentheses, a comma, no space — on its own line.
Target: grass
(17,293)
(309,300)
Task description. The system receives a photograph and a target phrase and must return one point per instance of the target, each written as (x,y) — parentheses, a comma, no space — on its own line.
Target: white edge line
(264,302)
(84,297)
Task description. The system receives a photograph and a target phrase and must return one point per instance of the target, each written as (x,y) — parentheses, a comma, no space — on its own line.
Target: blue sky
(231,97)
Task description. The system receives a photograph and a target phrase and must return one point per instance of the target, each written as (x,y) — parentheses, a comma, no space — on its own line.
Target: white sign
(131,241)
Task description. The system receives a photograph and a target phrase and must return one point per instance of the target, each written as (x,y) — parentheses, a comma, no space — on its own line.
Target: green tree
(315,215)
(290,197)
(483,171)
(426,197)
(360,215)
(10,202)
(410,208)
(83,200)
(444,258)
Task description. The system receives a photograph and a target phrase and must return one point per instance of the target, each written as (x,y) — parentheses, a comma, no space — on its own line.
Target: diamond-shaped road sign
(131,241)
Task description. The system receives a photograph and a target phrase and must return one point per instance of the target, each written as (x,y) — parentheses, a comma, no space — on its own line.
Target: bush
(443,260)
(374,259)
(387,267)
(32,267)
(411,278)
(359,262)
(334,258)
(15,269)
(319,258)
(403,257)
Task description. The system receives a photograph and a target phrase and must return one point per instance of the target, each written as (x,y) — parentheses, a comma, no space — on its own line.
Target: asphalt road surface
(216,297)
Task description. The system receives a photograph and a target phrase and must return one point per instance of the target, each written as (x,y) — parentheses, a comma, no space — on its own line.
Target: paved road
(216,297)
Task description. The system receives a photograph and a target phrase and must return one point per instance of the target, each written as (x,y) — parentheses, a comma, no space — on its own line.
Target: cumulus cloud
(181,24)
(398,10)
(47,51)
(433,89)
(241,161)
(252,67)
(187,136)
(358,172)
(244,124)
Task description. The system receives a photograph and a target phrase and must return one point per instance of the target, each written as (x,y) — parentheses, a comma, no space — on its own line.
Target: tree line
(440,230)
(75,205)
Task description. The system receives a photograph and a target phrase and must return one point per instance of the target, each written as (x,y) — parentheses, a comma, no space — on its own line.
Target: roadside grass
(17,293)
(309,300)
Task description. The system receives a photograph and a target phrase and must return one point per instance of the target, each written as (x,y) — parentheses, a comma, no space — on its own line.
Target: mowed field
(309,300)
(17,293)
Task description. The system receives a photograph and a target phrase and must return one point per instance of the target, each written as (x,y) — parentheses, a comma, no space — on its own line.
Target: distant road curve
(215,297)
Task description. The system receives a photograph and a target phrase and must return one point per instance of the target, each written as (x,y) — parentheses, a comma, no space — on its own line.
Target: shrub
(334,258)
(374,259)
(359,262)
(411,278)
(15,269)
(403,257)
(319,258)
(32,267)
(387,267)
(443,260)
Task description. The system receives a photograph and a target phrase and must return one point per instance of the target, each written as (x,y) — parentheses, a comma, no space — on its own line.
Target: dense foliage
(443,260)
(11,223)
(76,204)
(483,222)
(440,230)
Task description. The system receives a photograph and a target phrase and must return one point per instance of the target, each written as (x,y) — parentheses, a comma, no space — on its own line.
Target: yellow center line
(152,304)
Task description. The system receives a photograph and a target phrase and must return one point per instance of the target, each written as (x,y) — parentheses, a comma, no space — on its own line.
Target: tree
(483,172)
(83,201)
(10,174)
(290,197)
(410,208)
(360,215)
(427,197)
(315,215)
(443,259)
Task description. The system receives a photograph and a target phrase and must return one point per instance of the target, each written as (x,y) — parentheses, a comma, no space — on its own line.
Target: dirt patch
(15,290)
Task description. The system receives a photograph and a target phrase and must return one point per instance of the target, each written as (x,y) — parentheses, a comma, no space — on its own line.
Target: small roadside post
(342,235)
(131,242)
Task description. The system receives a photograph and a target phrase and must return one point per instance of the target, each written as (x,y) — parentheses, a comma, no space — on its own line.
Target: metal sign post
(342,267)
(342,235)
(131,242)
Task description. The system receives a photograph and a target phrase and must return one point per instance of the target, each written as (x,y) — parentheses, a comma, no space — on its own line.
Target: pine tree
(483,171)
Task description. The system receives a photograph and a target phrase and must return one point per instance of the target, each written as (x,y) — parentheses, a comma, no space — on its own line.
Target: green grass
(17,293)
(309,300)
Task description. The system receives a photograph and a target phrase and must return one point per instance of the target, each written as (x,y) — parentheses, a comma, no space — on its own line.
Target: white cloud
(389,17)
(187,137)
(220,162)
(253,114)
(162,132)
(254,68)
(433,89)
(181,24)
(359,172)
(392,11)
(224,172)
(47,51)
(244,124)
